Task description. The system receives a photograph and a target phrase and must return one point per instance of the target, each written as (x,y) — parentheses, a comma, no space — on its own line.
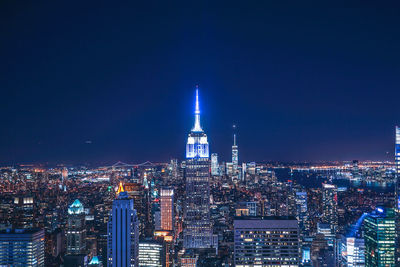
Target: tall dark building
(76,231)
(198,231)
(329,202)
(123,234)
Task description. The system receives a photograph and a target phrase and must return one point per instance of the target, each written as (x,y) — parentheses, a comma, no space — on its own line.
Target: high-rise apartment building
(379,238)
(22,247)
(123,234)
(167,208)
(76,230)
(266,241)
(329,205)
(198,232)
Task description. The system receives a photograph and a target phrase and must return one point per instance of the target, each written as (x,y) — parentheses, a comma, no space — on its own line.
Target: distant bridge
(127,165)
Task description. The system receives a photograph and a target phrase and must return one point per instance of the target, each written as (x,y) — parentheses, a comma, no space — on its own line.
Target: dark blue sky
(302,82)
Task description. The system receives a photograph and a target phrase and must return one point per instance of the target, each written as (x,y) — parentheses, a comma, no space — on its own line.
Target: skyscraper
(266,241)
(167,209)
(329,202)
(214,164)
(352,251)
(379,238)
(397,195)
(22,247)
(198,231)
(123,234)
(235,155)
(302,212)
(76,231)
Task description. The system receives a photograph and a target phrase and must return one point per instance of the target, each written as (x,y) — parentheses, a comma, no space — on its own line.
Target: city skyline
(299,83)
(199,134)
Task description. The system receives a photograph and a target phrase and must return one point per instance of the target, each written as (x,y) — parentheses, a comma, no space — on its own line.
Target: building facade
(167,208)
(379,238)
(352,251)
(397,195)
(235,155)
(329,204)
(214,165)
(76,229)
(302,212)
(22,247)
(198,231)
(151,254)
(266,241)
(123,234)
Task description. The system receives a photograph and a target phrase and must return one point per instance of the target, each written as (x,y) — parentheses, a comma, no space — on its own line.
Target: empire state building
(198,231)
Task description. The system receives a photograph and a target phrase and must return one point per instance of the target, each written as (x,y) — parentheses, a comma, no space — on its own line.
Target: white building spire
(197,127)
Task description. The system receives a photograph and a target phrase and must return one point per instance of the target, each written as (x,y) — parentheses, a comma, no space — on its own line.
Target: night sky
(84,81)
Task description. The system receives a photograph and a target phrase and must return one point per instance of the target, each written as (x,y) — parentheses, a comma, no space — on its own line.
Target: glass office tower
(22,247)
(379,238)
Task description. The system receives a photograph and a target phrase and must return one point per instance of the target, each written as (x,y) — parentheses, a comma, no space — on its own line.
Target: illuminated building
(95,262)
(326,230)
(22,247)
(229,169)
(137,192)
(235,155)
(167,240)
(329,203)
(246,208)
(167,208)
(198,231)
(379,238)
(76,230)
(24,212)
(123,235)
(214,164)
(188,261)
(355,172)
(302,212)
(151,254)
(266,241)
(64,175)
(352,251)
(397,194)
(306,256)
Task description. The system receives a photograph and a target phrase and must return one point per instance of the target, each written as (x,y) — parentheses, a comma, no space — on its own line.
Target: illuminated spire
(197,127)
(120,188)
(234,139)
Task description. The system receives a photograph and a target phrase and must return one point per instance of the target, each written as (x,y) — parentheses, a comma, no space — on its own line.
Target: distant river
(313,180)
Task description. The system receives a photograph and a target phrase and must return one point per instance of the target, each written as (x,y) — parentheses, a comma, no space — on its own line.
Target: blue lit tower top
(197,143)
(197,127)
